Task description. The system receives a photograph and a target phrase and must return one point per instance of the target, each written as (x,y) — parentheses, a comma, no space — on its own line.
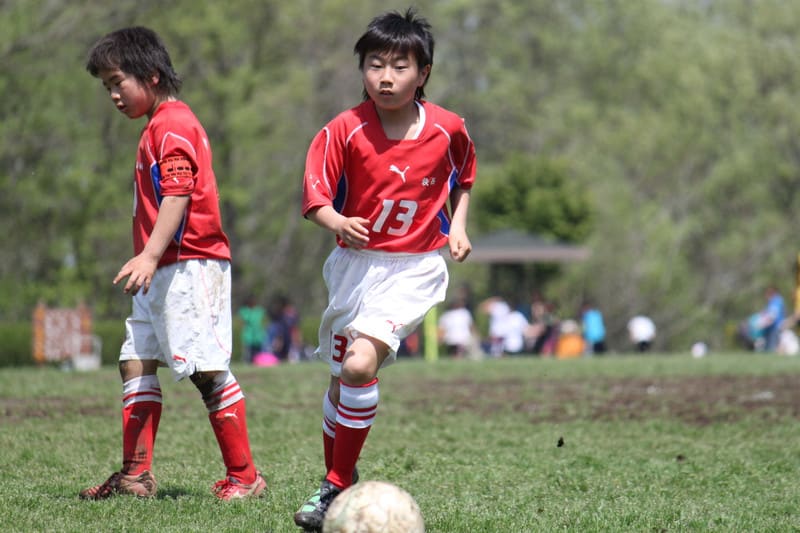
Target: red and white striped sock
(355,415)
(328,429)
(227,413)
(141,413)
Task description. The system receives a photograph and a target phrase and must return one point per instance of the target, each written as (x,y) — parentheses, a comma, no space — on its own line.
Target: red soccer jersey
(401,186)
(174,138)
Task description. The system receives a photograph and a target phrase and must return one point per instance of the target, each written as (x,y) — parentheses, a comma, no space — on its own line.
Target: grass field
(656,443)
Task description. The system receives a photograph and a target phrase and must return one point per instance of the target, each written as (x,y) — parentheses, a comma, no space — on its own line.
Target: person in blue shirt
(770,319)
(594,330)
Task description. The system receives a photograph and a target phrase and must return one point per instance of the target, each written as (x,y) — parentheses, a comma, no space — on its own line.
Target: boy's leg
(355,413)
(228,416)
(354,417)
(329,410)
(141,413)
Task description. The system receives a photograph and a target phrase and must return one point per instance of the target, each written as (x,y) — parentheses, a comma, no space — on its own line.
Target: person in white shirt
(457,329)
(642,332)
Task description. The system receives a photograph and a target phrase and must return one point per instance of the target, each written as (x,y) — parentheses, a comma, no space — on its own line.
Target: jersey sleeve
(177,159)
(324,167)
(464,157)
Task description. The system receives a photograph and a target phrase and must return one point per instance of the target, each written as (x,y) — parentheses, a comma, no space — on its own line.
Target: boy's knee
(204,381)
(135,368)
(358,370)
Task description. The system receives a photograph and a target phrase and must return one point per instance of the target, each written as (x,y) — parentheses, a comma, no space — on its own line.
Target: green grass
(651,444)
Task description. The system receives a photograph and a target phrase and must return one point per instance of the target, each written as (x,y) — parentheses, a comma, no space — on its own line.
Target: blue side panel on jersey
(444,222)
(341,194)
(452,182)
(155,177)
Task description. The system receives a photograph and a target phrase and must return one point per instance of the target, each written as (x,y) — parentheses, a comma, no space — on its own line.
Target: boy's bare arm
(460,247)
(353,230)
(141,268)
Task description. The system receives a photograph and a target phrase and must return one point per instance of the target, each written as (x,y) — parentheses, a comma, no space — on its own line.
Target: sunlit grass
(657,443)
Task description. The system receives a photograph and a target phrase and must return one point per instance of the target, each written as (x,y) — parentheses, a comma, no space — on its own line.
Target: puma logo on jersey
(402,173)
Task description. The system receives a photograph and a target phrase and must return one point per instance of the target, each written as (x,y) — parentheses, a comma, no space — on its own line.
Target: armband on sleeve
(176,176)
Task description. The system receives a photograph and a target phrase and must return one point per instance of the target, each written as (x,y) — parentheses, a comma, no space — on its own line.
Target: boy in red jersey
(180,274)
(379,176)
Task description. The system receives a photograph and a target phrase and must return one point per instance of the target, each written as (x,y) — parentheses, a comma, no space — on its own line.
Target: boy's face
(392,79)
(129,95)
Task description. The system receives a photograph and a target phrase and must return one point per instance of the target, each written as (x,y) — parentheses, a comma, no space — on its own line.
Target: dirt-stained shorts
(382,295)
(184,320)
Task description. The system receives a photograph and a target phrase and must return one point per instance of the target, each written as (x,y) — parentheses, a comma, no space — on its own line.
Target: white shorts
(184,320)
(382,295)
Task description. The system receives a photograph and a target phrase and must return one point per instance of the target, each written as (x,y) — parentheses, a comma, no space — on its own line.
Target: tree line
(660,133)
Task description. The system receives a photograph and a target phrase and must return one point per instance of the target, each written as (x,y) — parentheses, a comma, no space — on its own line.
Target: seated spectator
(570,343)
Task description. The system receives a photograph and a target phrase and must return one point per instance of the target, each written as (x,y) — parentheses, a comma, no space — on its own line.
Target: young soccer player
(180,276)
(379,176)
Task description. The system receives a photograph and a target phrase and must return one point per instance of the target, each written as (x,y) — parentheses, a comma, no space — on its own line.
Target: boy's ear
(154,79)
(424,73)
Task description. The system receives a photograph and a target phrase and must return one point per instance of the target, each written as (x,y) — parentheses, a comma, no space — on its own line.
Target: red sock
(230,428)
(347,447)
(139,427)
(356,412)
(328,429)
(327,444)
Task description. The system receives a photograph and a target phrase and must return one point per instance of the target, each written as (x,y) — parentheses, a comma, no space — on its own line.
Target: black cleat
(312,513)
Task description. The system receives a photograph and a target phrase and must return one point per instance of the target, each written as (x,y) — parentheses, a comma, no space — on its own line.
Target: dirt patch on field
(16,409)
(694,400)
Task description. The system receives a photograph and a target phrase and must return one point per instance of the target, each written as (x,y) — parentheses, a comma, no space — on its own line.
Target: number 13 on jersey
(402,212)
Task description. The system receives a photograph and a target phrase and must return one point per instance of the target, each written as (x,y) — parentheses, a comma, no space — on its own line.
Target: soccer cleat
(312,513)
(142,485)
(232,489)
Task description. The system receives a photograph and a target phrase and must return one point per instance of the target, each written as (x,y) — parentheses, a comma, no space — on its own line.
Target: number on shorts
(339,348)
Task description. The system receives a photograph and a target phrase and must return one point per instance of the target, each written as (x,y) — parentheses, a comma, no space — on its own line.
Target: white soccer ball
(373,507)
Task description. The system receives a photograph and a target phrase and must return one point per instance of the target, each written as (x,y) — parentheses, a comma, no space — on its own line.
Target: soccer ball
(373,507)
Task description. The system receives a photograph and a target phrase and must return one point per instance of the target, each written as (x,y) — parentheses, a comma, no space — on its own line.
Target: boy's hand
(139,271)
(460,247)
(353,231)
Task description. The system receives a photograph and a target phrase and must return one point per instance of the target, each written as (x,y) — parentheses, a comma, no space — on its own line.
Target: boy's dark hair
(136,51)
(398,33)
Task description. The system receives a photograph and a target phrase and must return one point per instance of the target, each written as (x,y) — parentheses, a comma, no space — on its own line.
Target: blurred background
(662,137)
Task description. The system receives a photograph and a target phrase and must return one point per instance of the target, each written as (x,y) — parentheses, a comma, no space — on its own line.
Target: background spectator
(252,315)
(642,332)
(457,328)
(594,329)
(570,343)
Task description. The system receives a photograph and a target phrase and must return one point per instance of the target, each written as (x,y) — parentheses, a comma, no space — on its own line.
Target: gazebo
(514,246)
(511,253)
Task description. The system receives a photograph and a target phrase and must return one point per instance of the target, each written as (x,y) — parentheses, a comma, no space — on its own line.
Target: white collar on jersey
(421,124)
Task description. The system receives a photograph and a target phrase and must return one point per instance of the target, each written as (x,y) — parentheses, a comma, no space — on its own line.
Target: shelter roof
(514,246)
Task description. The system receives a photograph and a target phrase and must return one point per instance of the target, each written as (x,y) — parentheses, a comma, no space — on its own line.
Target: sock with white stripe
(328,429)
(228,416)
(141,413)
(354,417)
